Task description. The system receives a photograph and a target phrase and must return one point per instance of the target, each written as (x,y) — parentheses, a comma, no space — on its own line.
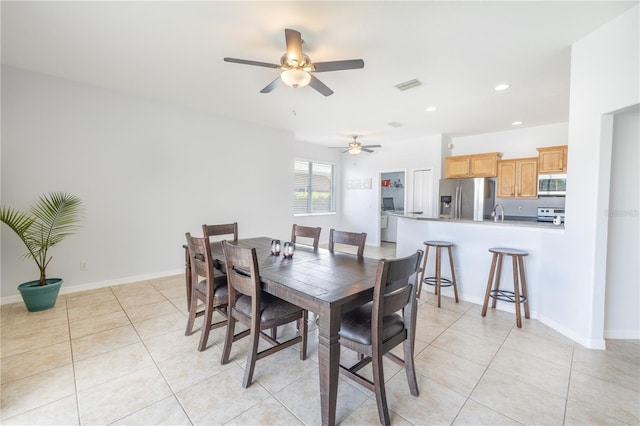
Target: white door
(423,192)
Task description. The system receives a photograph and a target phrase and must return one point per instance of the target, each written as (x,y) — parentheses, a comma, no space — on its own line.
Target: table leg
(329,363)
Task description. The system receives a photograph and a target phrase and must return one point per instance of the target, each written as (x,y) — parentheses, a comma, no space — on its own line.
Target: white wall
(147,173)
(361,208)
(516,143)
(622,309)
(604,78)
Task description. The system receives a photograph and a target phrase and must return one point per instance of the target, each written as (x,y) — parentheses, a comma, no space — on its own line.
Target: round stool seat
(508,251)
(438,243)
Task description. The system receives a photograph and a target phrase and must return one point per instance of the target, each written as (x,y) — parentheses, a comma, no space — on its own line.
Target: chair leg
(453,274)
(378,380)
(438,274)
(252,356)
(424,268)
(516,291)
(303,328)
(228,338)
(193,307)
(492,271)
(274,333)
(206,326)
(498,278)
(523,282)
(409,367)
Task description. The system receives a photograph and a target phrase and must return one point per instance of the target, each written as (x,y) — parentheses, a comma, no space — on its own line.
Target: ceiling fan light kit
(354,149)
(295,78)
(297,67)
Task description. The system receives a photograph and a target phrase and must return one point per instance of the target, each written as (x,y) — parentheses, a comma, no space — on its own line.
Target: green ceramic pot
(40,297)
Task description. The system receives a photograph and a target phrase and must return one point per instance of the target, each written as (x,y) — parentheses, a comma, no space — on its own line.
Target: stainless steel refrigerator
(469,198)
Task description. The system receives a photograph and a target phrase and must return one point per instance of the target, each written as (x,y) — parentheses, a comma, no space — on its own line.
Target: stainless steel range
(546,214)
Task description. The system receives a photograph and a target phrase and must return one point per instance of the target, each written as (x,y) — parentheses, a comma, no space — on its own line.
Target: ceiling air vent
(395,124)
(409,84)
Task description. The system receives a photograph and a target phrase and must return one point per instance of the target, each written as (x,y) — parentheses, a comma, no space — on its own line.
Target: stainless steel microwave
(552,185)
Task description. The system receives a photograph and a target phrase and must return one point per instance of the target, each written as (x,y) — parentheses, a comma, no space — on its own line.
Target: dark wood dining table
(326,283)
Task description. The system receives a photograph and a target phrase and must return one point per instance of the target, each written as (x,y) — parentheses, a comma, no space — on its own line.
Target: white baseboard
(622,334)
(101,284)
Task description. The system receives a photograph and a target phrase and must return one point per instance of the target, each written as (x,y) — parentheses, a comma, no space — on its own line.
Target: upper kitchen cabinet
(552,159)
(477,165)
(518,177)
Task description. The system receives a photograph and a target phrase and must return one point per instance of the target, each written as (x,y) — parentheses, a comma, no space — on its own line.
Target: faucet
(495,216)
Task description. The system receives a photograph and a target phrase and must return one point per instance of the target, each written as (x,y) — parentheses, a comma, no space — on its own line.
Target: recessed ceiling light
(431,109)
(501,87)
(516,123)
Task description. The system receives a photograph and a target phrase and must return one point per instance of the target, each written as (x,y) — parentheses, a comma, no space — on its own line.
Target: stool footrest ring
(506,296)
(444,282)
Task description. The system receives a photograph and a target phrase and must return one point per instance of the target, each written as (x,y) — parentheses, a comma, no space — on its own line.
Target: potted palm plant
(52,218)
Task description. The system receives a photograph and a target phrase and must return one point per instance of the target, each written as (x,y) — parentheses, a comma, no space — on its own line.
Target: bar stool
(438,281)
(519,293)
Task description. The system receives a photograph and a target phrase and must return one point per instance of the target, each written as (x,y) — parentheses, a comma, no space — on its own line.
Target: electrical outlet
(84,265)
(519,208)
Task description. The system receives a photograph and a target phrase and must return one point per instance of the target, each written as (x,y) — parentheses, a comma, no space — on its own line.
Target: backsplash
(521,207)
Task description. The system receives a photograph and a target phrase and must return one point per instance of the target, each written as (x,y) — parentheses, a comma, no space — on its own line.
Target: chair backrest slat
(306,232)
(201,258)
(394,288)
(243,274)
(357,239)
(221,229)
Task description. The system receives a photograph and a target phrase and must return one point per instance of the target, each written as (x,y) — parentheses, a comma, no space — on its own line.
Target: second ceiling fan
(297,67)
(356,147)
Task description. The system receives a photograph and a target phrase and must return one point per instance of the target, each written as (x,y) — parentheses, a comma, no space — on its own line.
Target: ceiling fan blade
(294,46)
(256,63)
(274,84)
(338,65)
(320,86)
(371,146)
(367,149)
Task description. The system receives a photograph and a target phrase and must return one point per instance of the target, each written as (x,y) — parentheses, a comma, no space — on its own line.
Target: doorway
(392,200)
(423,193)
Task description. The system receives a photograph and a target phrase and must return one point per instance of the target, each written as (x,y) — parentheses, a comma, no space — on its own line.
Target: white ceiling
(173,52)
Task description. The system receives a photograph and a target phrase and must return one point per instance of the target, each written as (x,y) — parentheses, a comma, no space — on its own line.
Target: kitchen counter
(544,266)
(518,221)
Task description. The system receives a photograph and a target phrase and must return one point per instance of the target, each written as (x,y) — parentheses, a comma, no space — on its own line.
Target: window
(313,188)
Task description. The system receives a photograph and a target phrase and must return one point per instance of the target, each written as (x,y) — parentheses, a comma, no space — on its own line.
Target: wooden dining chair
(306,232)
(208,231)
(348,238)
(257,310)
(206,287)
(374,329)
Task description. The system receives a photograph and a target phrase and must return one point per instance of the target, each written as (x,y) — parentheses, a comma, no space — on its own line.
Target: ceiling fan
(356,147)
(297,67)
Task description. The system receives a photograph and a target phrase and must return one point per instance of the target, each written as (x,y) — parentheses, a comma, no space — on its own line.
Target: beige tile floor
(119,355)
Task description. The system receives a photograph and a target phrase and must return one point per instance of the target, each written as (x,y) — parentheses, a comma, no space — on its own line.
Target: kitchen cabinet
(476,165)
(518,178)
(552,159)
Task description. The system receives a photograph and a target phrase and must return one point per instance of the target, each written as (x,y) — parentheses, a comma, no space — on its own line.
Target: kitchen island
(472,260)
